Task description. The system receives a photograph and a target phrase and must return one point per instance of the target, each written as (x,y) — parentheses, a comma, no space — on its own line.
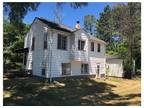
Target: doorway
(98,70)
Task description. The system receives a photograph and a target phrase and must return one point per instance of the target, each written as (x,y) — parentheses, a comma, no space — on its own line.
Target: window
(98,48)
(66,68)
(92,46)
(43,67)
(33,43)
(43,71)
(84,68)
(98,69)
(62,42)
(81,45)
(45,40)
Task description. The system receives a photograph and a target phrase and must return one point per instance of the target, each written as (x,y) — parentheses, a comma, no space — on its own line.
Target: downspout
(50,56)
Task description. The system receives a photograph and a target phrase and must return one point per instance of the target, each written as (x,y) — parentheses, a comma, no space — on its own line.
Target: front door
(98,69)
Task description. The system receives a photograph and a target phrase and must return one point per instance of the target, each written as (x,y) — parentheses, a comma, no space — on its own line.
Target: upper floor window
(81,44)
(62,42)
(92,46)
(45,40)
(33,43)
(98,48)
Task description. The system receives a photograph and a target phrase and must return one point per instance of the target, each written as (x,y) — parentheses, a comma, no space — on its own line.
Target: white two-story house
(55,50)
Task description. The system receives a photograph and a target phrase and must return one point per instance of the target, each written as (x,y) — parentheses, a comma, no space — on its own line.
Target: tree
(12,40)
(90,24)
(74,5)
(105,26)
(57,13)
(14,31)
(127,18)
(17,11)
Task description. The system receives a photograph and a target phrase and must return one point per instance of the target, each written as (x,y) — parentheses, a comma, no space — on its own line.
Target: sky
(70,15)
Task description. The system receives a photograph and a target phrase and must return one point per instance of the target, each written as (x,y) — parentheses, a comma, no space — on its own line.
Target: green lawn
(35,91)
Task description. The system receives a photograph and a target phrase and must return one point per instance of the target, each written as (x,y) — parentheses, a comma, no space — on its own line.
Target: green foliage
(104,25)
(14,32)
(123,20)
(127,18)
(12,39)
(78,4)
(17,10)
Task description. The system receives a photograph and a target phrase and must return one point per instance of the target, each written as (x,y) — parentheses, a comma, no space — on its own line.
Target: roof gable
(67,29)
(90,37)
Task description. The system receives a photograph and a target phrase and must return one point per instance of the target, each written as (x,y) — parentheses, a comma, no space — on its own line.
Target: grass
(71,92)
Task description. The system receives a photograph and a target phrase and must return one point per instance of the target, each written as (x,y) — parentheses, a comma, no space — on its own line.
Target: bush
(128,70)
(128,74)
(138,72)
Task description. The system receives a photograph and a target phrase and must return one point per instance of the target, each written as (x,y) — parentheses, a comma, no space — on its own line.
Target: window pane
(84,69)
(82,45)
(98,69)
(33,43)
(79,44)
(98,48)
(92,46)
(59,42)
(45,40)
(43,71)
(62,42)
(66,69)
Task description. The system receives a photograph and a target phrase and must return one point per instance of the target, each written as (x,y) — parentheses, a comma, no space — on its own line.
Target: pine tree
(105,26)
(127,18)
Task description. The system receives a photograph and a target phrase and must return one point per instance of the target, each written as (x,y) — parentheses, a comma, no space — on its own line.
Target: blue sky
(70,15)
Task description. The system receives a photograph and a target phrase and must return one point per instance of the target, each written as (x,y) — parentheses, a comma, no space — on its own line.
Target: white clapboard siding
(55,57)
(115,67)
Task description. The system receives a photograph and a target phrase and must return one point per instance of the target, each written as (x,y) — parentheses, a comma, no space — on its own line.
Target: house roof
(67,29)
(96,39)
(111,57)
(56,25)
(91,37)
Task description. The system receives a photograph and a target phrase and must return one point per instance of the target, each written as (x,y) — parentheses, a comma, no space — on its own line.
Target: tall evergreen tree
(127,22)
(17,10)
(105,25)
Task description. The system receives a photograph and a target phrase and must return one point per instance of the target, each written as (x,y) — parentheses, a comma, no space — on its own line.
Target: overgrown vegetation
(120,27)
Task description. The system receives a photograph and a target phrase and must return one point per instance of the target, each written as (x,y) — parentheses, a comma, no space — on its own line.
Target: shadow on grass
(75,92)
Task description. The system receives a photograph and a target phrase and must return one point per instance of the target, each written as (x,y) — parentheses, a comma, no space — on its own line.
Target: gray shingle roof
(56,25)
